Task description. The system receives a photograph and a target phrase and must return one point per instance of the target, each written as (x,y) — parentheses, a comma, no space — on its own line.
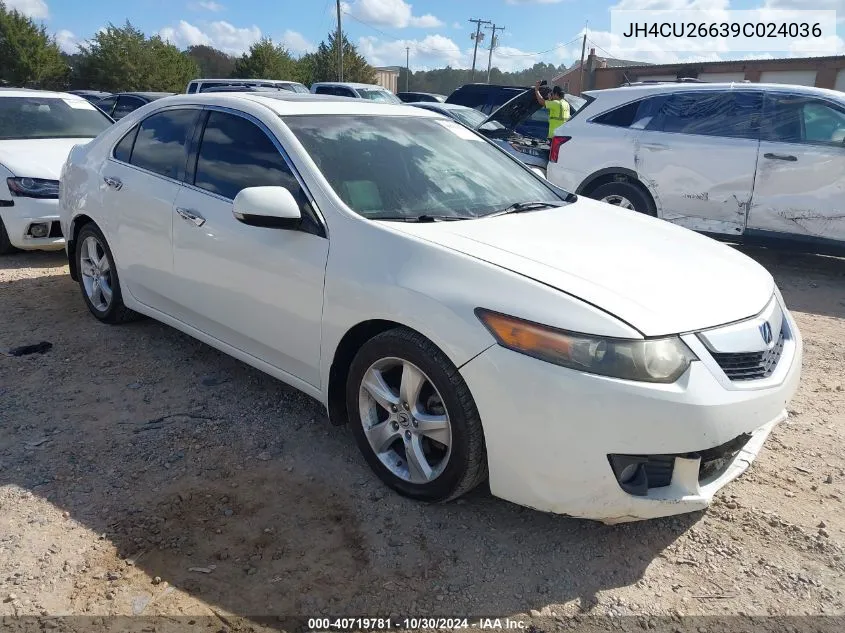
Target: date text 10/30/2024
(386,624)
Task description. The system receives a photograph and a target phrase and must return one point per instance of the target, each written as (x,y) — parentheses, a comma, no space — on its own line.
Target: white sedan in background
(461,313)
(37,131)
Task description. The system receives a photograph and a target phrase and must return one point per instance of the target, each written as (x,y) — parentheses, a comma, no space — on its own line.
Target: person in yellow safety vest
(558,108)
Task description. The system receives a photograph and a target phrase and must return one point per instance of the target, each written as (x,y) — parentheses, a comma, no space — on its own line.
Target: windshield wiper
(522,207)
(422,218)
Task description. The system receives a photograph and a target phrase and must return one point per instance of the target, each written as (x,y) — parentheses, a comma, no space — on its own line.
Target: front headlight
(33,187)
(661,360)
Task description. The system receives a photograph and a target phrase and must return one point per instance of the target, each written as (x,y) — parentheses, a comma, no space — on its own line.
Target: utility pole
(493,43)
(339,45)
(581,69)
(477,37)
(407,67)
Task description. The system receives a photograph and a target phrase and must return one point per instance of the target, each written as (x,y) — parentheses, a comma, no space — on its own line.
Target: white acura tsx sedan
(462,314)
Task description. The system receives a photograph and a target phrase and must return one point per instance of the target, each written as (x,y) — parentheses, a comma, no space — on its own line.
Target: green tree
(212,63)
(266,60)
(28,56)
(321,65)
(124,59)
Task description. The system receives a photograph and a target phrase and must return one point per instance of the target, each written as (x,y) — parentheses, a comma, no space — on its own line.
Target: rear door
(140,183)
(800,186)
(257,289)
(697,153)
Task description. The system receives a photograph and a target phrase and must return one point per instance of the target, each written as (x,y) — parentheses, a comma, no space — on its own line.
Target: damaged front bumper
(552,433)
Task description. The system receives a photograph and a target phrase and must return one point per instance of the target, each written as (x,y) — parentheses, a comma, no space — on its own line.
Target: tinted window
(160,145)
(235,154)
(125,105)
(123,150)
(798,119)
(326,90)
(107,104)
(192,88)
(40,117)
(732,114)
(622,116)
(391,167)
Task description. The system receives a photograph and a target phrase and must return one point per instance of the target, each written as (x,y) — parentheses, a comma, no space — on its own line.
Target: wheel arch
(615,174)
(349,344)
(76,225)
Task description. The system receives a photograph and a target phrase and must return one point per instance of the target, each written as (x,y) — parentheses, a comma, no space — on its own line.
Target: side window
(346,92)
(235,154)
(107,104)
(324,90)
(125,105)
(192,87)
(160,144)
(623,116)
(730,114)
(798,119)
(123,150)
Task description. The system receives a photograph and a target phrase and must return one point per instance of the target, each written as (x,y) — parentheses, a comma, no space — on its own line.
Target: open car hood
(513,112)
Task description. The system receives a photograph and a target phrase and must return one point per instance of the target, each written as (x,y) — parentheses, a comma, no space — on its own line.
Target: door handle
(190,215)
(786,157)
(114,183)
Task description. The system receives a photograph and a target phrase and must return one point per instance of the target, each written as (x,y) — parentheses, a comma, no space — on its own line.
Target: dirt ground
(144,473)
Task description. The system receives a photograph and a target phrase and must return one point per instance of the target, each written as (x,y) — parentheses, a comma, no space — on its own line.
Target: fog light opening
(630,473)
(39,229)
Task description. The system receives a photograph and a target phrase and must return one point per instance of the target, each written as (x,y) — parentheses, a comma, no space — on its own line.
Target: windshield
(405,166)
(468,116)
(374,94)
(50,117)
(299,88)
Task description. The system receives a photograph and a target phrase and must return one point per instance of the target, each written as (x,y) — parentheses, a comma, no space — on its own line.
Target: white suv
(747,162)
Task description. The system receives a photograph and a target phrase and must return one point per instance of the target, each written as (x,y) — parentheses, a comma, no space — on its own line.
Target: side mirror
(270,207)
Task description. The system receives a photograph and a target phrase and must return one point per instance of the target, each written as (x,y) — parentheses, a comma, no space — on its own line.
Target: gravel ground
(144,473)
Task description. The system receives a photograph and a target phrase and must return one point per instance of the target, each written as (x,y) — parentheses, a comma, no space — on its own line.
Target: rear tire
(625,195)
(431,450)
(5,245)
(98,279)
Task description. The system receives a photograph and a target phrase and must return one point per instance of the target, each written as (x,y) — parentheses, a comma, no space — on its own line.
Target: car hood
(37,158)
(659,278)
(514,112)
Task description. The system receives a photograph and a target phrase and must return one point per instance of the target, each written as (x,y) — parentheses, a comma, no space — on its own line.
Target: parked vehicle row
(470,319)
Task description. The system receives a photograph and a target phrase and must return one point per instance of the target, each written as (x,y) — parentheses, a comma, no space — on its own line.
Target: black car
(91,95)
(119,105)
(488,98)
(421,97)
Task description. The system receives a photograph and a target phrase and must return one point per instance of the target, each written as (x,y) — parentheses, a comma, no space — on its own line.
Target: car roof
(146,95)
(663,88)
(246,79)
(292,103)
(347,84)
(439,105)
(47,94)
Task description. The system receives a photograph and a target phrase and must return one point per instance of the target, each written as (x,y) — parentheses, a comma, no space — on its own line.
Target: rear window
(40,117)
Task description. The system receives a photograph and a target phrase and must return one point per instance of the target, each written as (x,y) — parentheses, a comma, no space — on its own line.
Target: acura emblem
(766,333)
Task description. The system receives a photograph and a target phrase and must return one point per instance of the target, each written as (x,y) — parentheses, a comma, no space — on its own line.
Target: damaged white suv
(745,162)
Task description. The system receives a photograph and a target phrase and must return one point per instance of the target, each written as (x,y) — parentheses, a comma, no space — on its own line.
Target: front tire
(625,195)
(98,277)
(414,418)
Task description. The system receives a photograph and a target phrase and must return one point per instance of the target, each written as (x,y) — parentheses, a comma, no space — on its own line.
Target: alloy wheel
(405,420)
(96,273)
(619,201)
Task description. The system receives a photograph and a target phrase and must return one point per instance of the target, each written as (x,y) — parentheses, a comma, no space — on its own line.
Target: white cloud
(36,9)
(67,41)
(219,34)
(817,5)
(296,42)
(432,51)
(394,13)
(210,5)
(672,5)
(457,25)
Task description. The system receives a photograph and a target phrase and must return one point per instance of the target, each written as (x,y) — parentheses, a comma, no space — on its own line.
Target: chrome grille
(750,365)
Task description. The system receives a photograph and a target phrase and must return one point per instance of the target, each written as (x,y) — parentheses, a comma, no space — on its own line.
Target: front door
(139,186)
(258,289)
(697,152)
(800,188)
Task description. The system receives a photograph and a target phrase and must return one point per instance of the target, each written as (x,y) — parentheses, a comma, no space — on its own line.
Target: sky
(437,32)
